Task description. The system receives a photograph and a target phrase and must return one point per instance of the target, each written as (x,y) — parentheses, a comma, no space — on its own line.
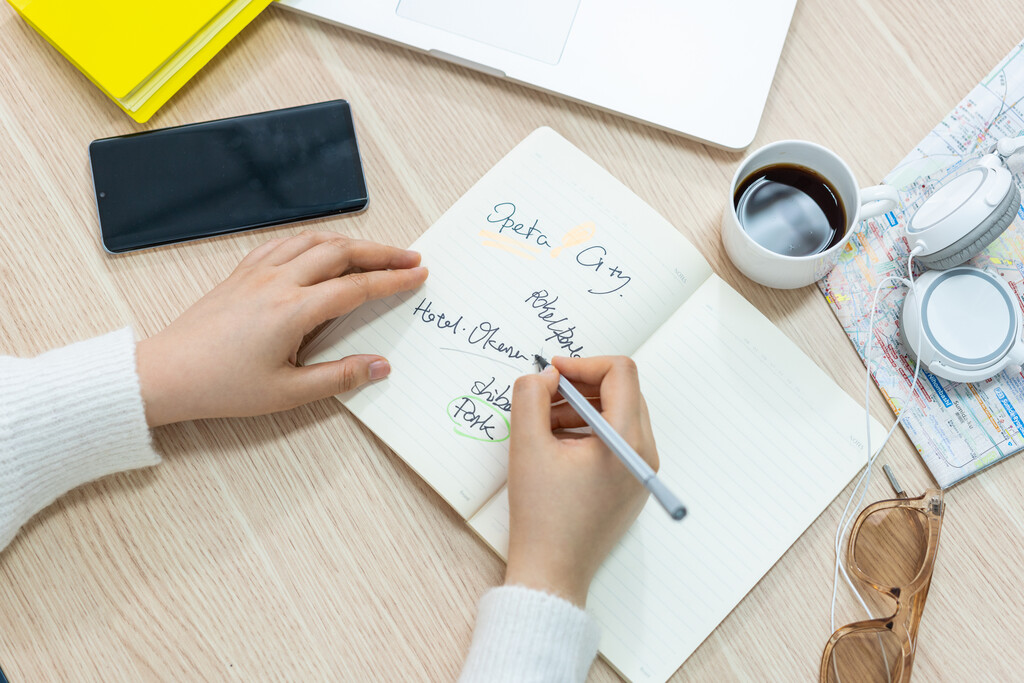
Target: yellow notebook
(139,53)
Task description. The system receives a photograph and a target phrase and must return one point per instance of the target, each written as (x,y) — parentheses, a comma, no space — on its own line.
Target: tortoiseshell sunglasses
(891,550)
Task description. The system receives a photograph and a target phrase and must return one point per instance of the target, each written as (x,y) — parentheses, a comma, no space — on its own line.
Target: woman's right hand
(570,497)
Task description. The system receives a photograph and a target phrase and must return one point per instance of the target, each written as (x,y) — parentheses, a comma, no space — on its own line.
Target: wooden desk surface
(297,546)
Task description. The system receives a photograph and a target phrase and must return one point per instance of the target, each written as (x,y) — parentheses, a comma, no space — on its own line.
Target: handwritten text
(485,335)
(505,212)
(475,419)
(488,391)
(593,257)
(562,332)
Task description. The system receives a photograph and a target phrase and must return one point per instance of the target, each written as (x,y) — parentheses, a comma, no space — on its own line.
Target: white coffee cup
(782,271)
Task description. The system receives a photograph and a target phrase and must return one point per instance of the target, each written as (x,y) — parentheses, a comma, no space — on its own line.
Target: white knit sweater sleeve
(67,417)
(527,636)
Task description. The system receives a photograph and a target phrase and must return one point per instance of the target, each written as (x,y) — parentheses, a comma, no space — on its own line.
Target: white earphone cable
(865,478)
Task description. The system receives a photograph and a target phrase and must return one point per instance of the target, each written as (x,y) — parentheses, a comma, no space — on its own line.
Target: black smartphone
(217,177)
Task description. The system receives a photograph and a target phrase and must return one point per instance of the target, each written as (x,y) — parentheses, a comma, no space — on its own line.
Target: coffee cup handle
(874,201)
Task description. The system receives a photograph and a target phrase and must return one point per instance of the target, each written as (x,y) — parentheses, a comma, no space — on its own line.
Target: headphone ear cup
(974,242)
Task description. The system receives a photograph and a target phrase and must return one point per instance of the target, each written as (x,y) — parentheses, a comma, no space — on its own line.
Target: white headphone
(967,320)
(959,322)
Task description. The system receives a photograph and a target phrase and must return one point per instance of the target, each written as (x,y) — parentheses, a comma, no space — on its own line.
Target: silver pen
(637,466)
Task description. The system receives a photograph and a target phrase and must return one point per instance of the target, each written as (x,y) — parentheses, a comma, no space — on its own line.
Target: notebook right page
(755,439)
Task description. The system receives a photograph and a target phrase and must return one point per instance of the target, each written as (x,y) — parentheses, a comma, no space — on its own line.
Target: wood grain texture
(297,546)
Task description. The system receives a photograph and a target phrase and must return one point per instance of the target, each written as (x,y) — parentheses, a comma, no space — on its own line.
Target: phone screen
(223,176)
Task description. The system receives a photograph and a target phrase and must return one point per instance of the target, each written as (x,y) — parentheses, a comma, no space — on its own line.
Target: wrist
(157,378)
(544,577)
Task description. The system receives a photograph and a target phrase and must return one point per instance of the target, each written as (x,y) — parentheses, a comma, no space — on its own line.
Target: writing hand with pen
(570,497)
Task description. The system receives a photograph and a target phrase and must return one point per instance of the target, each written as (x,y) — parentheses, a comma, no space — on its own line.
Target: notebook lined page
(755,439)
(547,253)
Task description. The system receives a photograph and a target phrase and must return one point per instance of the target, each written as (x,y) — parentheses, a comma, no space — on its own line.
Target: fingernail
(379,369)
(549,370)
(421,268)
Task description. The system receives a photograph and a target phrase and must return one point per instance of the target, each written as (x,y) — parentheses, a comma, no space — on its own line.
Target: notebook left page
(547,253)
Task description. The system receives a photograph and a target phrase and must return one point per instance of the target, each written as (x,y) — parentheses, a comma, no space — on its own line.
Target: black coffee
(790,210)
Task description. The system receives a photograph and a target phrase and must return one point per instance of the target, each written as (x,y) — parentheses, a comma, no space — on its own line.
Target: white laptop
(701,68)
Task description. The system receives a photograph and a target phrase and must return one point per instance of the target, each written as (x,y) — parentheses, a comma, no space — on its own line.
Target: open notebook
(548,253)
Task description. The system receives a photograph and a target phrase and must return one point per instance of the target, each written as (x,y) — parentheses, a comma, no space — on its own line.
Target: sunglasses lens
(866,657)
(891,546)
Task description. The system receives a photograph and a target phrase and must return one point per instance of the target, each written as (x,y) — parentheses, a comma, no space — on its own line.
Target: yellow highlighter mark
(578,235)
(493,239)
